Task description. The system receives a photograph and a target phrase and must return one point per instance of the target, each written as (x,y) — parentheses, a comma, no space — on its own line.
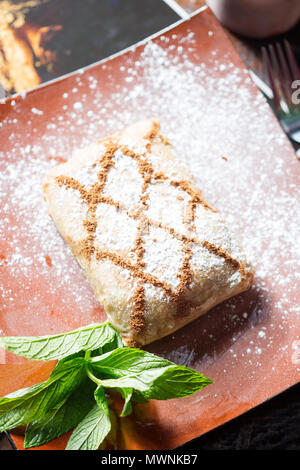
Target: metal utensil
(283,76)
(2,92)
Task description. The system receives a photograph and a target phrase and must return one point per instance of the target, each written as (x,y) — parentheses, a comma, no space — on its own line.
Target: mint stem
(87,358)
(92,376)
(87,355)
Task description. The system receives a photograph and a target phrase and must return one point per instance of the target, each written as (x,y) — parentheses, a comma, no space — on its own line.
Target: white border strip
(105,59)
(178,9)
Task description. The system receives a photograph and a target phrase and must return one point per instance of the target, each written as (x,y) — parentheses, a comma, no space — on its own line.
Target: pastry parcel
(156,254)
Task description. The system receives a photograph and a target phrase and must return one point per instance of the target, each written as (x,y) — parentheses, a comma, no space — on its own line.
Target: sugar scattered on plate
(167,83)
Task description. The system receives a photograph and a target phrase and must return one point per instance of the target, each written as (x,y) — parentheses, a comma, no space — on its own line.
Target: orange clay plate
(190,77)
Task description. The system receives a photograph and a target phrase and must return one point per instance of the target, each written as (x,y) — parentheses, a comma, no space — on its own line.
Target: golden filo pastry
(156,254)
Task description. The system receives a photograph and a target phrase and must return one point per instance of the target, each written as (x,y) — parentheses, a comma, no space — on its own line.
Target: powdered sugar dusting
(124,182)
(118,236)
(163,256)
(172,212)
(234,173)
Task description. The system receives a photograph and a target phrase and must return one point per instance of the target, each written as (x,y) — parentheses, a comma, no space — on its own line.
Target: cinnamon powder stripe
(223,254)
(196,197)
(135,270)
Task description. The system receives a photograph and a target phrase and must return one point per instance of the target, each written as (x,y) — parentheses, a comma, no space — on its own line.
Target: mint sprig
(92,361)
(47,348)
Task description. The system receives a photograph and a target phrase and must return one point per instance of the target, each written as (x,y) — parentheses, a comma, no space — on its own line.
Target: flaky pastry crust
(156,254)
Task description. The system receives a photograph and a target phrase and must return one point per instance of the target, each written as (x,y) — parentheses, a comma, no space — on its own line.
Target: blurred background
(44,39)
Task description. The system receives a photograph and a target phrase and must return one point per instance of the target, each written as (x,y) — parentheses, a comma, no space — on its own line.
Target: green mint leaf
(13,407)
(63,417)
(95,426)
(125,363)
(138,397)
(176,382)
(29,404)
(116,342)
(151,375)
(46,348)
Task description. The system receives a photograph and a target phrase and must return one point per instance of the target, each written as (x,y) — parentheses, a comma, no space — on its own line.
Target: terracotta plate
(192,79)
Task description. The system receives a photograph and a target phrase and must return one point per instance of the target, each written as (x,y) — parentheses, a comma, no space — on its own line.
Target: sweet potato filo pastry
(156,254)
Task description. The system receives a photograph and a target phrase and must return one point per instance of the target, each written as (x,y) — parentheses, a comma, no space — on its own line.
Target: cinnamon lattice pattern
(94,196)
